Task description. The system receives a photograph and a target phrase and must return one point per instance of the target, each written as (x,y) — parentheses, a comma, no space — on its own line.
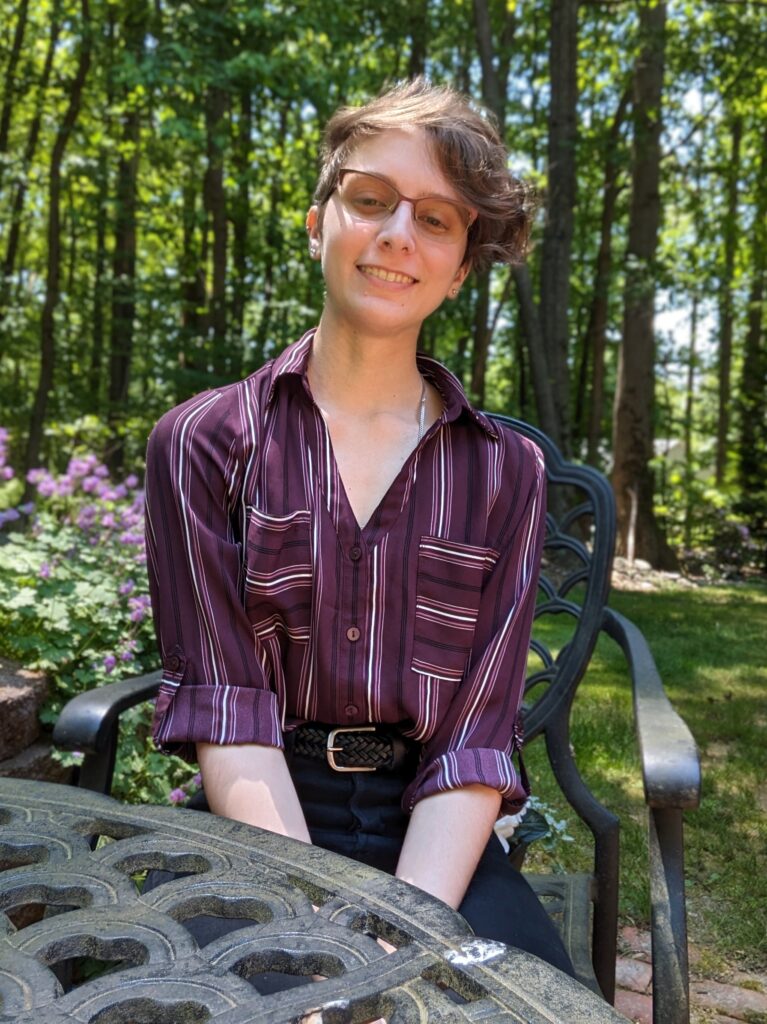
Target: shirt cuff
(460,768)
(225,714)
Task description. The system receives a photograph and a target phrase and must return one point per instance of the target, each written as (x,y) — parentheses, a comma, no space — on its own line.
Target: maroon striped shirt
(273,606)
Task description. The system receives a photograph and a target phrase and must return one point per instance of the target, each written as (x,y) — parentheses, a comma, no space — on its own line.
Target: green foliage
(74,603)
(277,75)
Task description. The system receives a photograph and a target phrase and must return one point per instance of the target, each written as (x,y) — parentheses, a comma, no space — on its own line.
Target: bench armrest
(671,772)
(670,761)
(89,722)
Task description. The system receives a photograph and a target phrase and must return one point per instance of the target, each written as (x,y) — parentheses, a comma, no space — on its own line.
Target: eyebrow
(424,195)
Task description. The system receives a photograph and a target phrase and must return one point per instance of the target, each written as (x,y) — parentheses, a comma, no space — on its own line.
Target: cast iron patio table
(70,895)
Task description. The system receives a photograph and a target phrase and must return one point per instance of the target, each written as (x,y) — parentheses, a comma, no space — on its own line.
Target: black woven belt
(350,748)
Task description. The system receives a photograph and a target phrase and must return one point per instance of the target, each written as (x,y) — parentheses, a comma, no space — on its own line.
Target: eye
(366,196)
(438,218)
(432,222)
(368,201)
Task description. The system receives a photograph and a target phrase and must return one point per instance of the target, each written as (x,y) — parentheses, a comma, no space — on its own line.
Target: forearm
(445,839)
(251,783)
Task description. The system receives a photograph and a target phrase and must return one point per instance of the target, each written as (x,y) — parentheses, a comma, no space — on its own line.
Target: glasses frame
(467,215)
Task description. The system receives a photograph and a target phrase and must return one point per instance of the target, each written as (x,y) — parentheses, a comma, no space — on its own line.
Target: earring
(314,250)
(453,292)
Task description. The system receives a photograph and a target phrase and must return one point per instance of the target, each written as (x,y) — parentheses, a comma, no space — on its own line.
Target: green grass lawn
(709,645)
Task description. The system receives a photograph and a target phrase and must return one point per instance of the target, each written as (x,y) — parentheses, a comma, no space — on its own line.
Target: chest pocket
(448,592)
(278,574)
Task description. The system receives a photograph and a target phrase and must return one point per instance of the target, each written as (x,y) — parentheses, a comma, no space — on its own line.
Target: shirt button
(352,633)
(174,663)
(350,709)
(355,553)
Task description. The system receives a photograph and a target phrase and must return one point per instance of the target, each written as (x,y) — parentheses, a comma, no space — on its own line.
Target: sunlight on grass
(708,643)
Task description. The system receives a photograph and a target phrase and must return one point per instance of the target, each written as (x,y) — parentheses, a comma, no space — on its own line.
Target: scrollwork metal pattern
(91,908)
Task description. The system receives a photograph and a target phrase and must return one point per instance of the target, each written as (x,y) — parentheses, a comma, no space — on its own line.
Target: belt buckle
(331,750)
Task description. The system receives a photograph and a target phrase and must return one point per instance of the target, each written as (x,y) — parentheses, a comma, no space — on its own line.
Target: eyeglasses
(371,197)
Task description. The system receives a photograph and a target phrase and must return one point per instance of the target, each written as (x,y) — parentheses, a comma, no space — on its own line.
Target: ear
(313,226)
(313,223)
(460,276)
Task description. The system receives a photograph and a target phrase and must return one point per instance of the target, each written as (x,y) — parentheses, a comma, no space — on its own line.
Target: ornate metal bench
(574,586)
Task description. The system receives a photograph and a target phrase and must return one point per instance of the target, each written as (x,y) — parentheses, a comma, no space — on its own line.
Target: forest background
(157,160)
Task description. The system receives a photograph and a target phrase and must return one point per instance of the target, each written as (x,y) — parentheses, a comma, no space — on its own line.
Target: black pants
(358,814)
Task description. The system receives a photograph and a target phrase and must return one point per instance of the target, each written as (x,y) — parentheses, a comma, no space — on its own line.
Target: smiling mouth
(387,275)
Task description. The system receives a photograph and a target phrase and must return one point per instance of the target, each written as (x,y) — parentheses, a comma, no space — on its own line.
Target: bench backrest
(574,583)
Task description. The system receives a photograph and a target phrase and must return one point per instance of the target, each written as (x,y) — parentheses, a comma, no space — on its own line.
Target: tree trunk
(689,404)
(419,34)
(494,83)
(531,325)
(19,195)
(9,82)
(272,246)
(560,206)
(482,331)
(752,449)
(240,224)
(595,338)
(96,367)
(215,206)
(193,290)
(632,479)
(730,234)
(47,324)
(125,240)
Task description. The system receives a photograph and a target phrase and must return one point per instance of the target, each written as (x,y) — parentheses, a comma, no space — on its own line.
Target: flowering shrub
(74,600)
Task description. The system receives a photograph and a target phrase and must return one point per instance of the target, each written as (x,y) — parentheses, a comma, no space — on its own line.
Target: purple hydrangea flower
(109,662)
(177,796)
(45,571)
(81,466)
(47,486)
(127,587)
(139,606)
(131,538)
(86,517)
(6,473)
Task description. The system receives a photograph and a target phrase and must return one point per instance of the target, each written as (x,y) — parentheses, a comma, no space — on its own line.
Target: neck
(363,374)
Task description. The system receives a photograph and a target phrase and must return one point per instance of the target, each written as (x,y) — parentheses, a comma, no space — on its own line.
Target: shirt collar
(294,359)
(452,393)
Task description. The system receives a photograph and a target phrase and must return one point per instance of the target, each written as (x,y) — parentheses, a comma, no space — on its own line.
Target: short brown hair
(469,153)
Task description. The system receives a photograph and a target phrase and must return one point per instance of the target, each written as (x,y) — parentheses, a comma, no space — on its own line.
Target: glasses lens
(371,198)
(439,219)
(367,196)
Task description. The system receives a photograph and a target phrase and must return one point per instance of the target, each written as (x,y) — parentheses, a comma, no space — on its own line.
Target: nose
(398,229)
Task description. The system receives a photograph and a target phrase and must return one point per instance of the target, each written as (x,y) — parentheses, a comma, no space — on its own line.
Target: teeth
(387,275)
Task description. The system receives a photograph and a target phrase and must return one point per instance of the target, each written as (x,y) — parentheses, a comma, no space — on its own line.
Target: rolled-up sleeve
(481,732)
(214,686)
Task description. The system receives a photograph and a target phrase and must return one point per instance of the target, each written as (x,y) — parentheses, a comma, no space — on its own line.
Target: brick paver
(714,1002)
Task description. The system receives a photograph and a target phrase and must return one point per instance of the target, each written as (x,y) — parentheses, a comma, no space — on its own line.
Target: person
(343,552)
